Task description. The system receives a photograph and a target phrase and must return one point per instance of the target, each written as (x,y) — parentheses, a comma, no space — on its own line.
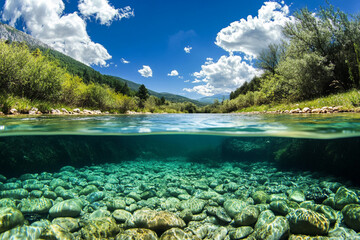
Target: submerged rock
(35,205)
(344,197)
(24,232)
(121,216)
(247,217)
(137,233)
(234,206)
(15,193)
(240,233)
(177,234)
(54,231)
(304,221)
(70,224)
(10,218)
(154,220)
(99,228)
(278,228)
(67,208)
(194,204)
(351,215)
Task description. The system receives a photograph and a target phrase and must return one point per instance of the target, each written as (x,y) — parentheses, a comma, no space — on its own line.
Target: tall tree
(142,93)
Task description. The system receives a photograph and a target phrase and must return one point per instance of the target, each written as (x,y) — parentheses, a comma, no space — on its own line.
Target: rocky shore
(175,199)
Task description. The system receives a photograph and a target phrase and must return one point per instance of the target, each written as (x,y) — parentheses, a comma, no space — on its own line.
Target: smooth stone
(134,196)
(70,224)
(260,197)
(278,228)
(50,194)
(54,231)
(43,223)
(344,197)
(88,189)
(101,213)
(170,204)
(218,212)
(157,220)
(219,233)
(194,204)
(67,208)
(10,218)
(296,195)
(304,221)
(177,234)
(343,233)
(281,207)
(121,215)
(95,196)
(57,182)
(234,206)
(7,202)
(137,233)
(264,218)
(247,217)
(2,178)
(116,203)
(24,232)
(351,215)
(35,205)
(328,212)
(11,186)
(102,228)
(36,194)
(186,215)
(306,237)
(15,193)
(241,232)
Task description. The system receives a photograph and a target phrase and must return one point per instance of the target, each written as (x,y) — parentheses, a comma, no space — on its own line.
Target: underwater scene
(180,176)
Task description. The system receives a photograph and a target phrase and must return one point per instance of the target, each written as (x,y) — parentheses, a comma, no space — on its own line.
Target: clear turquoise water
(330,142)
(323,126)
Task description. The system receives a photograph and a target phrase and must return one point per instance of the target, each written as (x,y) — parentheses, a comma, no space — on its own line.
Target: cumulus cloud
(124,61)
(46,21)
(223,76)
(145,71)
(187,49)
(103,11)
(173,73)
(252,35)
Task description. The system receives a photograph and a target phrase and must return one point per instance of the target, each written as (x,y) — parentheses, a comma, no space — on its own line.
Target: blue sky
(144,40)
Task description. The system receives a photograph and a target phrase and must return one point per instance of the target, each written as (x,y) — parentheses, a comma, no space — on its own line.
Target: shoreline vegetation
(315,70)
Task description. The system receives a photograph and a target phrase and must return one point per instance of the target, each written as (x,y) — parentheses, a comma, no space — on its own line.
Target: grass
(348,101)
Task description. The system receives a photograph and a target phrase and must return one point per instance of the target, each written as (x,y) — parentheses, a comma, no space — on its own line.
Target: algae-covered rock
(194,204)
(304,221)
(154,220)
(116,203)
(54,231)
(218,212)
(95,196)
(177,234)
(344,197)
(264,218)
(24,232)
(100,213)
(306,237)
(247,217)
(343,233)
(121,216)
(67,208)
(137,234)
(241,232)
(35,205)
(278,228)
(10,218)
(7,202)
(328,212)
(15,193)
(100,228)
(281,207)
(296,195)
(351,215)
(70,224)
(88,189)
(234,206)
(260,197)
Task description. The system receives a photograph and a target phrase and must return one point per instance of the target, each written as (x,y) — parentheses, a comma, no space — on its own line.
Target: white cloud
(223,76)
(173,73)
(103,11)
(187,49)
(46,21)
(124,61)
(187,81)
(145,71)
(253,34)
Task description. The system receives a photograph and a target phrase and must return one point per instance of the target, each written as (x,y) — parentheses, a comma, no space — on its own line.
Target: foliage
(253,85)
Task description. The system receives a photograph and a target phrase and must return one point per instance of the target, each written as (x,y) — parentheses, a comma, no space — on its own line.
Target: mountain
(211,99)
(75,67)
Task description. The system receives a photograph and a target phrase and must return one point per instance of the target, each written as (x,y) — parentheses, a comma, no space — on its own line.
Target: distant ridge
(78,68)
(210,100)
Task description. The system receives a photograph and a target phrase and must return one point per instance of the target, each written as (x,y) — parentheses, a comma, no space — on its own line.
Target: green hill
(84,71)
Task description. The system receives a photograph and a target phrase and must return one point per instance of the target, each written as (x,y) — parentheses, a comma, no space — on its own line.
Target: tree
(162,100)
(142,93)
(269,58)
